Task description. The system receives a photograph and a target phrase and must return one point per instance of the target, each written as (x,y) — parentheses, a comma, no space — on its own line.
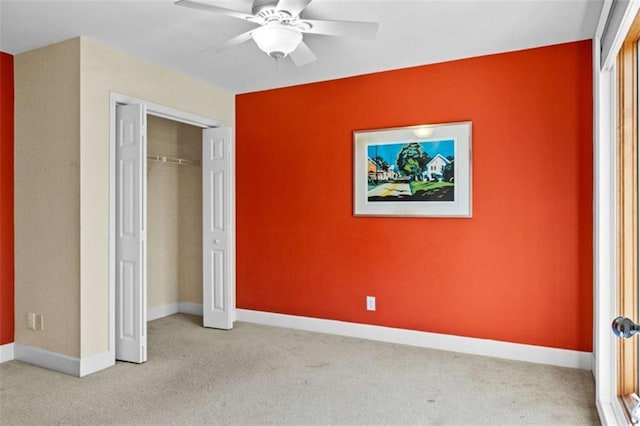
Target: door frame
(173,114)
(611,31)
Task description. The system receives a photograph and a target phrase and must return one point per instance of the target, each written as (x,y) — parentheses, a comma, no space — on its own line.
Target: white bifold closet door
(216,222)
(131,229)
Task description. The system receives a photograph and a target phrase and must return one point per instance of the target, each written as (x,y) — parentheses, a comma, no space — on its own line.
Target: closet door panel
(131,159)
(216,169)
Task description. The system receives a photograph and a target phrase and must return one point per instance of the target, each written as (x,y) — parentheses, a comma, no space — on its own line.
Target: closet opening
(174,217)
(170,220)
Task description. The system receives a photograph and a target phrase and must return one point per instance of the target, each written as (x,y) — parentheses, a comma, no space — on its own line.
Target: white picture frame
(422,170)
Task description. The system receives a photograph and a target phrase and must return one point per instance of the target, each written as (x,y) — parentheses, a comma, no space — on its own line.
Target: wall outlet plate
(371,303)
(31,320)
(39,322)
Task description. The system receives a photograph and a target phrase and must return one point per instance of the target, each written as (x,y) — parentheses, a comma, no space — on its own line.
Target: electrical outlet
(39,322)
(371,303)
(31,320)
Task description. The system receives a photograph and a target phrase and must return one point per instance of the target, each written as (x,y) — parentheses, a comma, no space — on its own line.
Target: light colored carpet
(268,375)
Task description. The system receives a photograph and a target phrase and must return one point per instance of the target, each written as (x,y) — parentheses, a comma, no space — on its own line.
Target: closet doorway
(169,170)
(174,216)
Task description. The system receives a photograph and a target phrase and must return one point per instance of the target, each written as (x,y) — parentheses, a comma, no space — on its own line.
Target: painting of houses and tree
(412,171)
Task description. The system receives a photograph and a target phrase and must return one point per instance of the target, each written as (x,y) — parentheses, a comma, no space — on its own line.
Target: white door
(216,238)
(131,228)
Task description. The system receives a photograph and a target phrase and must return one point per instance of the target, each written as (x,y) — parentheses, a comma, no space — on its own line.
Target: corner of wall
(47,188)
(6,196)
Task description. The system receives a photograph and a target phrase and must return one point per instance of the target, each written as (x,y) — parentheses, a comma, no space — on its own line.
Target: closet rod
(172,160)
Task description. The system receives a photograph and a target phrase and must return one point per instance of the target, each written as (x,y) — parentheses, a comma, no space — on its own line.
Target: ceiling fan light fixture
(277,40)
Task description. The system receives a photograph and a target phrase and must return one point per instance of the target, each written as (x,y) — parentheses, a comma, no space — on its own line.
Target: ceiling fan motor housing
(271,14)
(265,8)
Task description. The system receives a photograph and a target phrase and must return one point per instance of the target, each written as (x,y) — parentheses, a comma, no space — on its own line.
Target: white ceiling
(411,33)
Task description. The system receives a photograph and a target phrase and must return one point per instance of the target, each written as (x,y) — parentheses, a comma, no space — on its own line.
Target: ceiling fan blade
(232,42)
(302,55)
(215,9)
(293,6)
(342,28)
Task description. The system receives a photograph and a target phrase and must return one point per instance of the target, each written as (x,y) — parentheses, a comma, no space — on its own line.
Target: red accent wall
(6,196)
(519,271)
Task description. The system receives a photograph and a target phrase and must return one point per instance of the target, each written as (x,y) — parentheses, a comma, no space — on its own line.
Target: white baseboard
(174,308)
(81,367)
(73,366)
(51,360)
(7,352)
(469,345)
(162,311)
(94,363)
(190,308)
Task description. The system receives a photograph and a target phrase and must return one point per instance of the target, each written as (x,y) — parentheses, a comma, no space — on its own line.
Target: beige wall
(174,214)
(47,196)
(190,216)
(162,214)
(104,70)
(62,181)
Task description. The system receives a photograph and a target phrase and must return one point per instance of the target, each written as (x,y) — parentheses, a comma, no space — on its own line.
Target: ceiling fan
(280,29)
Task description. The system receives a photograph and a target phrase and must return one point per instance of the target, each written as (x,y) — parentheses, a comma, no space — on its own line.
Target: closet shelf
(173,160)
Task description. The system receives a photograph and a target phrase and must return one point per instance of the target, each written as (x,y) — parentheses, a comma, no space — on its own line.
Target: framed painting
(422,170)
